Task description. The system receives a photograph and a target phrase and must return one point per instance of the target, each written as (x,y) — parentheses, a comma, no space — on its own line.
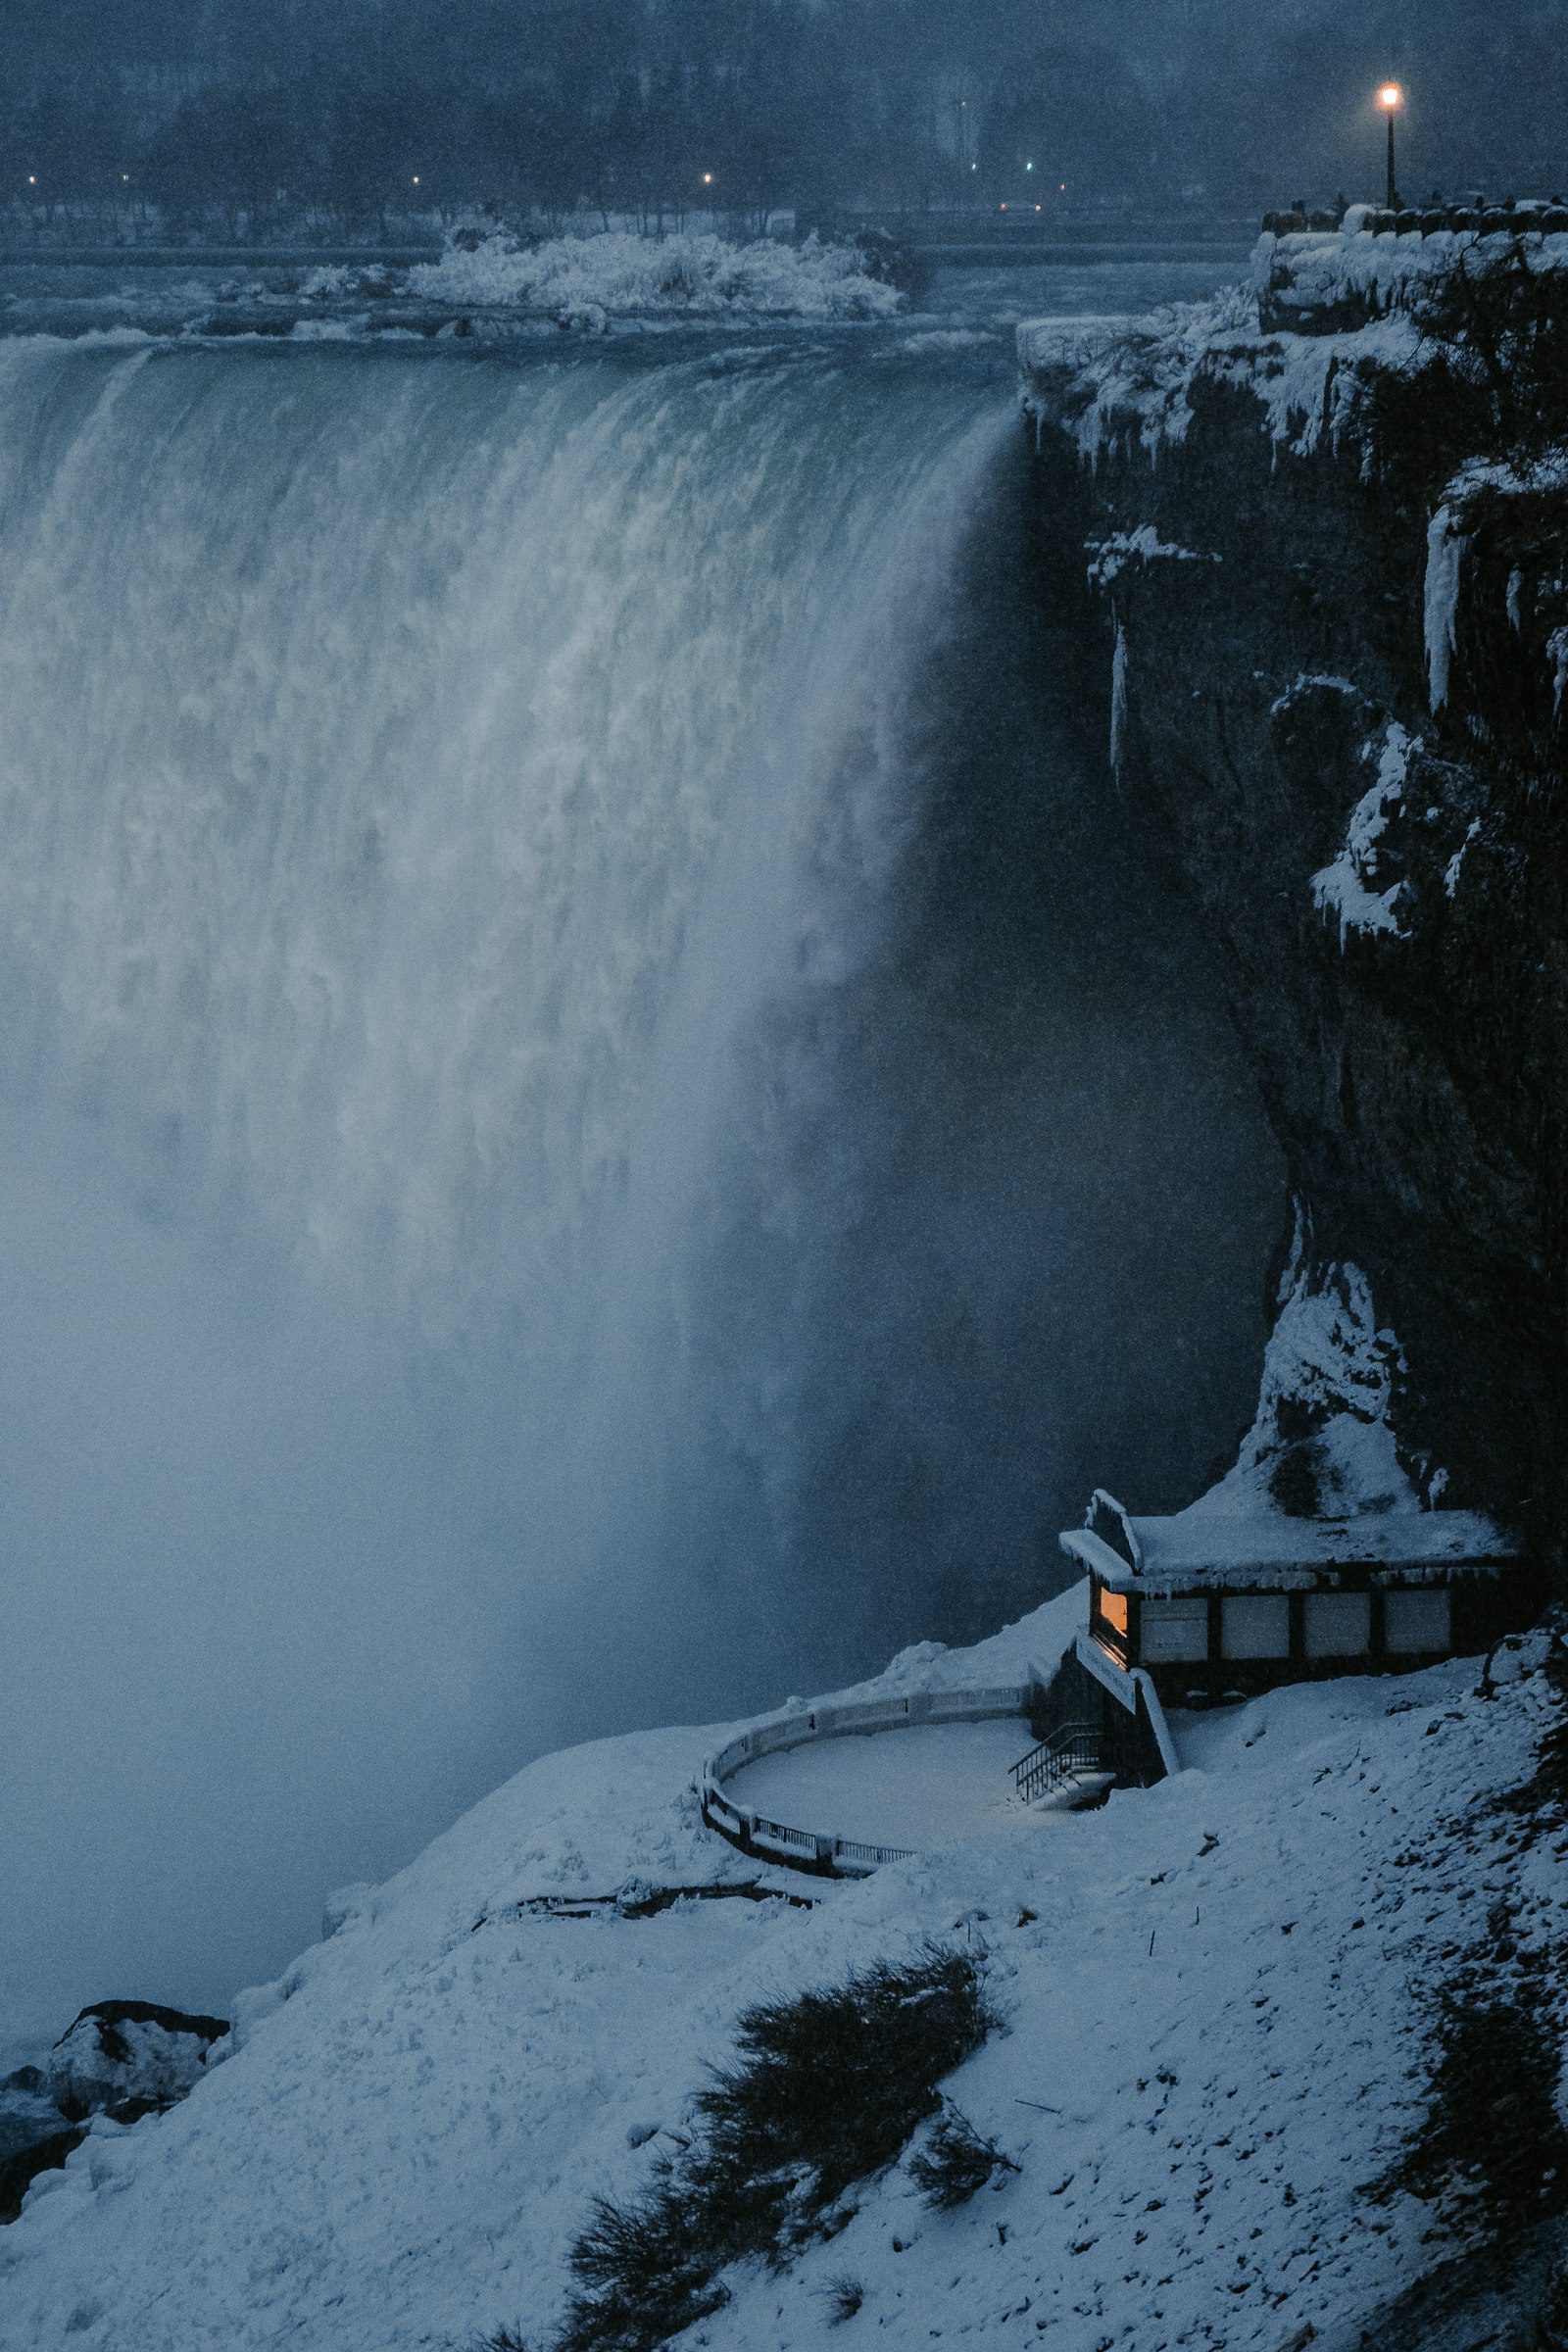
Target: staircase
(1069,1753)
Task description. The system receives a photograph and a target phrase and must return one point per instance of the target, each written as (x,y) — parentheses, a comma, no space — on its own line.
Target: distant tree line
(652,106)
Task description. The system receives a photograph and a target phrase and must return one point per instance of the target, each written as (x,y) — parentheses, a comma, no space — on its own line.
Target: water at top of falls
(571,1149)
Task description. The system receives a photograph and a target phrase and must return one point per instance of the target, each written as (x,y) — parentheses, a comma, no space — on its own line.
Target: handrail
(796,1726)
(1073,1748)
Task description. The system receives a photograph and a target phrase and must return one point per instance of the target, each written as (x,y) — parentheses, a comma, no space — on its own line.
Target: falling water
(579,1138)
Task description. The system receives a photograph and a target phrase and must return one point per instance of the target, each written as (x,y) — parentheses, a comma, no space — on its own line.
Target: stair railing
(1072,1749)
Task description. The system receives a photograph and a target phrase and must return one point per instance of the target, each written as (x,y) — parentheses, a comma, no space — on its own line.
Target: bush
(828,2089)
(955,2163)
(648,2270)
(844,2297)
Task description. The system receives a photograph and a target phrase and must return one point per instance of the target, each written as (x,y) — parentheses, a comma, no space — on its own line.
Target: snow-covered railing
(814,1849)
(1521,218)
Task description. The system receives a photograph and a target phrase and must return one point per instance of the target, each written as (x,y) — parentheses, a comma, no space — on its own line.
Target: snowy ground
(1216,1993)
(918,1787)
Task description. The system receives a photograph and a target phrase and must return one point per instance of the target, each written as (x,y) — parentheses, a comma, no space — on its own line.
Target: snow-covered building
(1221,1603)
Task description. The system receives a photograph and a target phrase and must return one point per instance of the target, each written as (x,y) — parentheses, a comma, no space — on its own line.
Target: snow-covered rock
(1322,1443)
(1330,280)
(119,2050)
(586,282)
(1131,382)
(1349,888)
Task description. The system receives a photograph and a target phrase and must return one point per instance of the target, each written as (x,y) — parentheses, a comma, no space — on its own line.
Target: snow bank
(589,280)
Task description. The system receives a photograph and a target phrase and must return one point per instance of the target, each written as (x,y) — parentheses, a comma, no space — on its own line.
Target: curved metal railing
(817,1850)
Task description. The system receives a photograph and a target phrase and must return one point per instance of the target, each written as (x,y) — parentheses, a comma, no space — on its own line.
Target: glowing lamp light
(416,180)
(1028,167)
(1390,98)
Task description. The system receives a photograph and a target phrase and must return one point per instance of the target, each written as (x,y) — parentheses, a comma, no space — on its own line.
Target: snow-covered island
(588,281)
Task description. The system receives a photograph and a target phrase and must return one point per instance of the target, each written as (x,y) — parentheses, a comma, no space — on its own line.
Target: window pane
(1174,1632)
(1417,1621)
(1339,1625)
(1257,1625)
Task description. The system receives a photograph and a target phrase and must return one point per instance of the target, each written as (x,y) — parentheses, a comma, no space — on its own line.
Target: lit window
(1113,1610)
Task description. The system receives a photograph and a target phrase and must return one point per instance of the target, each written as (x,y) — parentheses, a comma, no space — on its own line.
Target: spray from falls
(570,1153)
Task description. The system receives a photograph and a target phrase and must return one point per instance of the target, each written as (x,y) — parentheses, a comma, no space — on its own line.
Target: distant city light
(1028,167)
(707,179)
(416,180)
(124,179)
(33,179)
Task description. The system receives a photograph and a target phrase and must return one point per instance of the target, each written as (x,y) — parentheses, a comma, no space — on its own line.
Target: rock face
(122,2059)
(1330,642)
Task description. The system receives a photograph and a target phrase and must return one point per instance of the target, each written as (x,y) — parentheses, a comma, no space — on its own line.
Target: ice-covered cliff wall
(1324,596)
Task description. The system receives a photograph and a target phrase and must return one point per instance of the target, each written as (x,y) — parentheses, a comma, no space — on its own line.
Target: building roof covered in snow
(1202,1548)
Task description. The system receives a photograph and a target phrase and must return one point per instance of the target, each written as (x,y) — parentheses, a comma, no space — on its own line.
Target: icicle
(1445,551)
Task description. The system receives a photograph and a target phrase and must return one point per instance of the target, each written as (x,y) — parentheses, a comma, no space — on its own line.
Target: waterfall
(555,1081)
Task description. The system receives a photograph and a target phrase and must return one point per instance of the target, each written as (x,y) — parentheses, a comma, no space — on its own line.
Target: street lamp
(1390,98)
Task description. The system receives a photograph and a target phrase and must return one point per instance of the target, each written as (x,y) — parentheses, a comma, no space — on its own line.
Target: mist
(596,1121)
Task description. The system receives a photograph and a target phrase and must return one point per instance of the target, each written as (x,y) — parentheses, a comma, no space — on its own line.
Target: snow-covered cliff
(1324,605)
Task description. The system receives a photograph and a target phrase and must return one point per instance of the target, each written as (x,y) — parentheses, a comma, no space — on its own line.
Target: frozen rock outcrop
(119,2052)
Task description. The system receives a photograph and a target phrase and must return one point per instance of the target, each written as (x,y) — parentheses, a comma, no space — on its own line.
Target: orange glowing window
(1114,1611)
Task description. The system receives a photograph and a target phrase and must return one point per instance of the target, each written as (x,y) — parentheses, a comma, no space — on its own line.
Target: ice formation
(589,280)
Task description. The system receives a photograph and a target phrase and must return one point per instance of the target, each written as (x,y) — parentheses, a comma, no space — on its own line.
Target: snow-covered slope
(1216,1990)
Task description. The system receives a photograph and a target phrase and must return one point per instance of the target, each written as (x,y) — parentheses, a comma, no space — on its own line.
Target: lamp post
(1390,98)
